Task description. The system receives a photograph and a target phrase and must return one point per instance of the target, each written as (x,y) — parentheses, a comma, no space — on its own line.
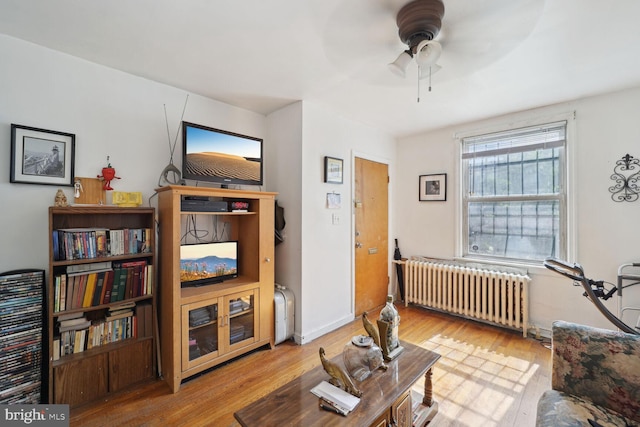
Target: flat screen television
(219,156)
(208,263)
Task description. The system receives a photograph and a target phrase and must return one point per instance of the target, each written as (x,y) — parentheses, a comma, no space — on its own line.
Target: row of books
(106,283)
(76,333)
(87,243)
(79,340)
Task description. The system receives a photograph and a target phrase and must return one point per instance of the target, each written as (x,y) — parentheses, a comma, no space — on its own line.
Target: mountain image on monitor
(208,267)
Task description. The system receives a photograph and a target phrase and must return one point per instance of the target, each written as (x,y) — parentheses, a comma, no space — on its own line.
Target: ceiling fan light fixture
(399,66)
(428,52)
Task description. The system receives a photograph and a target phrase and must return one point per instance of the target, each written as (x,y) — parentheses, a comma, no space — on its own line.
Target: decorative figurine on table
(385,335)
(388,330)
(339,377)
(61,199)
(371,329)
(108,175)
(77,188)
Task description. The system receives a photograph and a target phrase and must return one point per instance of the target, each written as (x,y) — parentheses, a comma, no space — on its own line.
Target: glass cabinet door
(200,327)
(242,317)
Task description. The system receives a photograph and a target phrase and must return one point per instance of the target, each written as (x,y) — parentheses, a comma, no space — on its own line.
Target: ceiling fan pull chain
(419,73)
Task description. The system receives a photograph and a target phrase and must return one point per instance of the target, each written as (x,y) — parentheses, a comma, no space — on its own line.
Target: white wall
(284,128)
(111,113)
(607,233)
(322,250)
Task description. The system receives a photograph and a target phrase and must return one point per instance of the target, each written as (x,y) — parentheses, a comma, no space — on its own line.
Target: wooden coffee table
(294,405)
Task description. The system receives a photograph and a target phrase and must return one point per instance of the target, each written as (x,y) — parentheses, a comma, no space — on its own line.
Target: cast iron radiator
(480,293)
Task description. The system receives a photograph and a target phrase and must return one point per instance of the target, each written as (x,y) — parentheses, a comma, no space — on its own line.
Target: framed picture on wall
(333,170)
(40,156)
(432,187)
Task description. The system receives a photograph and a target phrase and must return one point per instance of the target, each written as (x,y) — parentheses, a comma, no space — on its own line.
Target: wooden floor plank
(486,376)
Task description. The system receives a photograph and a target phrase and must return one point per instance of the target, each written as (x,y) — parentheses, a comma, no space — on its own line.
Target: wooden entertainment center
(204,326)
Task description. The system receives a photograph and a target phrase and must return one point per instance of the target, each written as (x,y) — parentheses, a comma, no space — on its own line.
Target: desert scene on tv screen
(222,165)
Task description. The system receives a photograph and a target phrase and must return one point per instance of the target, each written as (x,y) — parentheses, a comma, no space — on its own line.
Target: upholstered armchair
(595,378)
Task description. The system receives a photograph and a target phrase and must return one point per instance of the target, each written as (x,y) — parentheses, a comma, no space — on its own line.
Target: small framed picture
(40,156)
(432,187)
(334,201)
(333,170)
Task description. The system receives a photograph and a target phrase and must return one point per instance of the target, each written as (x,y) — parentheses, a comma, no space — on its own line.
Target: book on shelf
(106,289)
(56,294)
(68,316)
(119,314)
(81,290)
(96,298)
(122,306)
(56,349)
(89,290)
(121,285)
(101,243)
(80,320)
(69,296)
(74,283)
(78,346)
(93,267)
(63,293)
(124,309)
(73,324)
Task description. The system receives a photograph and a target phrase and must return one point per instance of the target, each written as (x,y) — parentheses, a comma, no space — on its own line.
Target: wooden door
(371,234)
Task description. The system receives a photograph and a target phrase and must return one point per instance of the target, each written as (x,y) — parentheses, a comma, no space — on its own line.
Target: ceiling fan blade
(474,34)
(361,38)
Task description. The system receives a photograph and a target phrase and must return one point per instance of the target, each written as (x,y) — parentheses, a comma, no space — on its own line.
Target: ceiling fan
(362,36)
(419,22)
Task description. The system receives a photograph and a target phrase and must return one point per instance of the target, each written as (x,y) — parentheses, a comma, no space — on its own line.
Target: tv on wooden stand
(220,156)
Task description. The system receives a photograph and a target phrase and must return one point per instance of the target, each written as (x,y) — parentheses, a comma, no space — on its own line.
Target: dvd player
(202,204)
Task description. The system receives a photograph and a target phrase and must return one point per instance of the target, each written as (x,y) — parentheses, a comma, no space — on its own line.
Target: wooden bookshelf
(204,326)
(102,271)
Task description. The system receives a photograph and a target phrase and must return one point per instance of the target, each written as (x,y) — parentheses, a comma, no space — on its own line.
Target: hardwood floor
(486,376)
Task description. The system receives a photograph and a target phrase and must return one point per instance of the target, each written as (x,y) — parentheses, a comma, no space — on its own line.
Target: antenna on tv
(171,174)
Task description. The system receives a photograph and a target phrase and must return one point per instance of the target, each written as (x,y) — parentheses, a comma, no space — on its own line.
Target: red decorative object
(108,175)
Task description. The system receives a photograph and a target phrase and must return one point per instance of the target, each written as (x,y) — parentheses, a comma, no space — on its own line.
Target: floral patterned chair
(595,378)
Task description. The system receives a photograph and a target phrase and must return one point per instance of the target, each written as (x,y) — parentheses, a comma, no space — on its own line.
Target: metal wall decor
(626,175)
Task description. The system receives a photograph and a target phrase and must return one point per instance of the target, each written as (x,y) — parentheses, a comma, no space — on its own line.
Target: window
(514,197)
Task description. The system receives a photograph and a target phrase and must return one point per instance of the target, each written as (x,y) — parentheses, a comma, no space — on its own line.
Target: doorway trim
(379,159)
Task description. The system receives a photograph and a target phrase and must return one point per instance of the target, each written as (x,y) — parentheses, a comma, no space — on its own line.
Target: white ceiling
(498,56)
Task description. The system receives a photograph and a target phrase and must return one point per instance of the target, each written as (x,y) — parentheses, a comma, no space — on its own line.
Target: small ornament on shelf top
(77,188)
(108,175)
(61,199)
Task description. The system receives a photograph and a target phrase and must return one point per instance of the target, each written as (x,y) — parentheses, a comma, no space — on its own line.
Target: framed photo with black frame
(432,188)
(41,156)
(333,169)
